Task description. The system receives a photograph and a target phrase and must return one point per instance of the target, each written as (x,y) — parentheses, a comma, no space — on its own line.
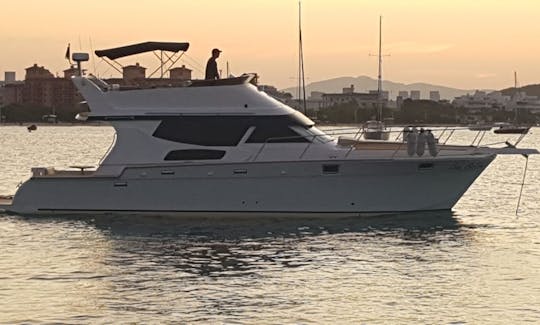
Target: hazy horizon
(459,44)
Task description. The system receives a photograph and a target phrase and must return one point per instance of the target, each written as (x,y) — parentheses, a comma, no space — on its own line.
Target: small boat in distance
(507,128)
(375,130)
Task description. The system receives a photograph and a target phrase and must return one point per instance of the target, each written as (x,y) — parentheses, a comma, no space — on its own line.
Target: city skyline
(457,43)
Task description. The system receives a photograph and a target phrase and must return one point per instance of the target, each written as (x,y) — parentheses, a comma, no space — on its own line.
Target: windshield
(312,134)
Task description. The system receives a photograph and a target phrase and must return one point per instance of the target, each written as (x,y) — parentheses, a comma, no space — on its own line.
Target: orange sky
(463,44)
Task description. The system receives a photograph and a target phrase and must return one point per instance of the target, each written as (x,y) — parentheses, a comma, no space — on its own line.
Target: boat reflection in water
(213,246)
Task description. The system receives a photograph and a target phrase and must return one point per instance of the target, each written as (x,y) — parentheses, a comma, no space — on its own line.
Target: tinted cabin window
(273,134)
(229,130)
(204,131)
(194,154)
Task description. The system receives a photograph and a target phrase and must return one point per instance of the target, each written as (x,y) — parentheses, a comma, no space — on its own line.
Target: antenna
(301,78)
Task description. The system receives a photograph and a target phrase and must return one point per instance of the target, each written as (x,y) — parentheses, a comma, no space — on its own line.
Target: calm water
(476,264)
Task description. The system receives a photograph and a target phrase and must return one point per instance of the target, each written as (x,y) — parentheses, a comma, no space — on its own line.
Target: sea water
(478,263)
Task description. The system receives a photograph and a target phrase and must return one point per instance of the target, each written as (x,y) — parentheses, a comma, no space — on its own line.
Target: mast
(516,96)
(379,80)
(301,77)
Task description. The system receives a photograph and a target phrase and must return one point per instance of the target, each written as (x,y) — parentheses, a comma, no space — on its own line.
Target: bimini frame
(110,55)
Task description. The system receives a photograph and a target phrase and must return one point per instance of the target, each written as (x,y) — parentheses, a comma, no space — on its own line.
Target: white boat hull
(273,188)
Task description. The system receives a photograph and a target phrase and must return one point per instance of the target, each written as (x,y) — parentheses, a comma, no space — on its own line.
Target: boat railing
(311,139)
(443,137)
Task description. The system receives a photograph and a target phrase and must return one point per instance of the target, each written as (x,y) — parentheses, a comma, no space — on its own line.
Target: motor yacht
(223,147)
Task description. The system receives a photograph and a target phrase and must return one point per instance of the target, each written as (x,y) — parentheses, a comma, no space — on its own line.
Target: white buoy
(411,142)
(431,143)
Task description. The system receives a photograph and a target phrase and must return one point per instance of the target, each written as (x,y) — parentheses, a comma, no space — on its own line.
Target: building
(415,95)
(403,94)
(316,95)
(180,73)
(133,73)
(274,92)
(311,104)
(399,102)
(9,77)
(12,93)
(482,100)
(42,88)
(434,96)
(521,102)
(348,90)
(36,72)
(384,94)
(363,100)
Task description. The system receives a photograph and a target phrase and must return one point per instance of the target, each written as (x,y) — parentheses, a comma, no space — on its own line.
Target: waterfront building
(42,88)
(482,100)
(403,94)
(434,96)
(180,73)
(363,100)
(133,74)
(9,77)
(522,102)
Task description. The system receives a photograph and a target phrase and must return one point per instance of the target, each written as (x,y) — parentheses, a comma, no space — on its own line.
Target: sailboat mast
(379,79)
(516,96)
(301,77)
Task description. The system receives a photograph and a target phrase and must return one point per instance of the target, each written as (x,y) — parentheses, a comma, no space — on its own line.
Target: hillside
(531,90)
(364,84)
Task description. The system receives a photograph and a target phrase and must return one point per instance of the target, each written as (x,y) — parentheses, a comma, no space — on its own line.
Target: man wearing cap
(211,66)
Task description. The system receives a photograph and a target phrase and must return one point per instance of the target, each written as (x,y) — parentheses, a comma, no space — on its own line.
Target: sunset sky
(457,43)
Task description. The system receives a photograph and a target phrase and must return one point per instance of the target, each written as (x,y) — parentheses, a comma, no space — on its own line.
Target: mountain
(530,90)
(364,84)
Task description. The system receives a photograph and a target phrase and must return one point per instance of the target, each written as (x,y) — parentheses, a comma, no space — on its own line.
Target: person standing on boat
(211,66)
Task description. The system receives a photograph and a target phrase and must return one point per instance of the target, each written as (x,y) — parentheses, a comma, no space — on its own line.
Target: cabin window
(194,154)
(275,134)
(229,130)
(204,131)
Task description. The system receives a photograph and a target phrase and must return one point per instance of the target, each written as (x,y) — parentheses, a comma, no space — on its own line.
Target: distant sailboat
(507,128)
(376,130)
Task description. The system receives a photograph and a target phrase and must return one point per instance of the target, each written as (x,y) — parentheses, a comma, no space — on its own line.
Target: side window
(194,154)
(204,131)
(275,134)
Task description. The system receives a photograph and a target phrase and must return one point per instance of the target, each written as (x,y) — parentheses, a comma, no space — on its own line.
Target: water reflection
(240,270)
(229,247)
(213,228)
